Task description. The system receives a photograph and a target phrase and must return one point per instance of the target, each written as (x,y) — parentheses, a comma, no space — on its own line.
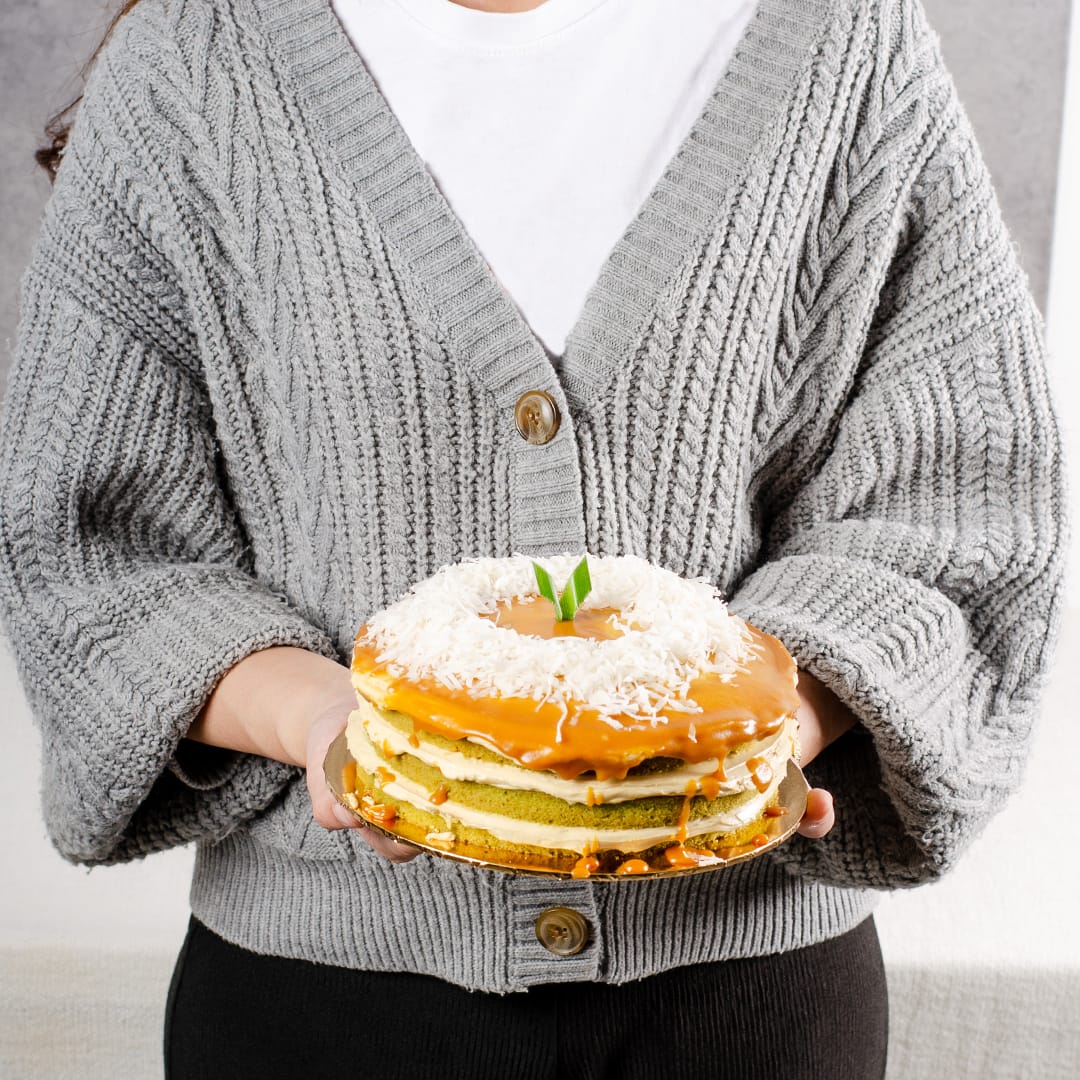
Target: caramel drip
(537,734)
(632,866)
(775,811)
(586,866)
(348,776)
(711,785)
(439,795)
(388,751)
(385,776)
(760,772)
(684,815)
(759,840)
(414,742)
(594,798)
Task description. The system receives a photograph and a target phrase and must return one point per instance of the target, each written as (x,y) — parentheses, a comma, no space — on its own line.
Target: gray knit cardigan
(264,381)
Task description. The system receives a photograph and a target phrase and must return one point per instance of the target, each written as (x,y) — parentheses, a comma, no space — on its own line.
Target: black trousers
(819,1013)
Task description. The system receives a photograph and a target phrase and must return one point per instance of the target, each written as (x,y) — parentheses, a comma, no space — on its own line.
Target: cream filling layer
(565,838)
(775,750)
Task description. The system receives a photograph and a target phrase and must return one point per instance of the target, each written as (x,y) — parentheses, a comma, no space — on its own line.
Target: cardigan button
(536,416)
(562,930)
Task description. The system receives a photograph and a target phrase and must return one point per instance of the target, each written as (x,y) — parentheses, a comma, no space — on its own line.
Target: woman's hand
(820,816)
(327,811)
(289,704)
(823,718)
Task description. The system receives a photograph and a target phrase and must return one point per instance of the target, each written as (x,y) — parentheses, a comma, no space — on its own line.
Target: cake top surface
(651,665)
(643,634)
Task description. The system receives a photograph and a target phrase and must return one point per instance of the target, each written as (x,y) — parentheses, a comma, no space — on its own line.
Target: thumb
(820,815)
(325,808)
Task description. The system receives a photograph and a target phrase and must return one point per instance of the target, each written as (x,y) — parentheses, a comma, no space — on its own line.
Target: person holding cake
(332,301)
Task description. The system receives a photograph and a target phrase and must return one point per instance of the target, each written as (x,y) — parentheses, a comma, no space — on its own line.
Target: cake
(650,730)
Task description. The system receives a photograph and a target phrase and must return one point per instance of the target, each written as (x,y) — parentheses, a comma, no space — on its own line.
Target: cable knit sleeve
(126,584)
(915,551)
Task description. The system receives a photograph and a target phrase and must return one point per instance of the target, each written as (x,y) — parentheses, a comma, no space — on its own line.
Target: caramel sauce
(348,776)
(733,852)
(536,735)
(760,772)
(439,795)
(535,616)
(684,813)
(711,785)
(388,751)
(632,866)
(775,811)
(380,813)
(594,798)
(385,776)
(414,742)
(680,857)
(759,840)
(586,866)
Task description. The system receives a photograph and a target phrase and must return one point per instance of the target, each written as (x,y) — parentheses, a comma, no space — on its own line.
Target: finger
(390,849)
(345,818)
(820,814)
(328,812)
(325,808)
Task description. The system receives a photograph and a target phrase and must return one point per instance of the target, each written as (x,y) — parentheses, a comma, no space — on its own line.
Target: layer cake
(650,731)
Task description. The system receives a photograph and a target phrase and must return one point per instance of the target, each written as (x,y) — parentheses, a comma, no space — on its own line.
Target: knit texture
(264,382)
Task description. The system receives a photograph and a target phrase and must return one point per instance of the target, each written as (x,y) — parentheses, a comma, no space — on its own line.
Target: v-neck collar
(493,339)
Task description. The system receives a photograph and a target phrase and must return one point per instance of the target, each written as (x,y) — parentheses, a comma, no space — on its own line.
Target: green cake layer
(647,813)
(422,824)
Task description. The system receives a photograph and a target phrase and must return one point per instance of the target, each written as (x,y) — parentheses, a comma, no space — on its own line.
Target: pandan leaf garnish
(573,594)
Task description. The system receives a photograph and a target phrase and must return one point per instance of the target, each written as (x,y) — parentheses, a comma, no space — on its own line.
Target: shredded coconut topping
(674,629)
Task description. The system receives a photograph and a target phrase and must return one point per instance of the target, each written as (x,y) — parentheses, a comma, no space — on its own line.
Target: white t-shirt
(546,129)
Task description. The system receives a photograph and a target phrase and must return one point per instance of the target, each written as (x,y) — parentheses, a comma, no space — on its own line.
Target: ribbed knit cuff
(182,629)
(891,648)
(897,654)
(202,767)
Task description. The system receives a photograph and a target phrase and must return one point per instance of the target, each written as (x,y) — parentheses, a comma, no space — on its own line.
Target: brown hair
(58,126)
